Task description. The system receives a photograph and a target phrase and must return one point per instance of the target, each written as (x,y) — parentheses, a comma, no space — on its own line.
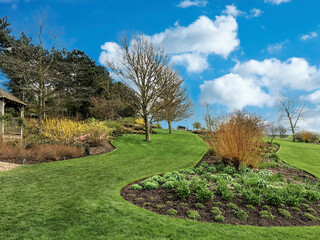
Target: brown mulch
(157,201)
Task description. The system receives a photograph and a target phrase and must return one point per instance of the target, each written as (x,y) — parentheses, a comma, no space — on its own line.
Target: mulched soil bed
(157,201)
(104,148)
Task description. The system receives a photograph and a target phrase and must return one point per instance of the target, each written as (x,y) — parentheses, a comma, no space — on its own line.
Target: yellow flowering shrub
(139,121)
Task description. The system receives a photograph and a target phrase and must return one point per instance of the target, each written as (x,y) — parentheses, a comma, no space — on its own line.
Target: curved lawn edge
(304,156)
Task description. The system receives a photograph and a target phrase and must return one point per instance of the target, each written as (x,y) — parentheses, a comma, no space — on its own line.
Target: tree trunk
(170,127)
(147,127)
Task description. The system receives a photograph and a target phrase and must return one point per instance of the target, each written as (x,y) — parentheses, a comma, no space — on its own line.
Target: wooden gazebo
(8,100)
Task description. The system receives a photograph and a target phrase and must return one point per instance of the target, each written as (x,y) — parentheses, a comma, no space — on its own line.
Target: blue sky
(232,54)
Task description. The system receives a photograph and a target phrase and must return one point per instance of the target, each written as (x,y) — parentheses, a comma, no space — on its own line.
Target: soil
(7,166)
(157,201)
(105,147)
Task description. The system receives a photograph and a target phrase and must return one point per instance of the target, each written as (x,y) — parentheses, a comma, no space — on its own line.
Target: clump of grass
(266,207)
(215,211)
(168,184)
(170,197)
(311,210)
(242,215)
(172,212)
(151,185)
(284,213)
(217,204)
(219,218)
(160,206)
(147,203)
(310,217)
(199,205)
(250,207)
(305,205)
(296,209)
(233,206)
(169,203)
(139,199)
(266,215)
(136,187)
(184,205)
(192,214)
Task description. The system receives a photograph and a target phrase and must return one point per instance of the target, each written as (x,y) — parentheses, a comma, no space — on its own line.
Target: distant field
(302,155)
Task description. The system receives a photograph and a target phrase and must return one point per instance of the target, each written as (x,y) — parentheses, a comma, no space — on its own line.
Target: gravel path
(7,166)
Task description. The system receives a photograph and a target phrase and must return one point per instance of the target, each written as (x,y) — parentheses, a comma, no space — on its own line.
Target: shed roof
(5,95)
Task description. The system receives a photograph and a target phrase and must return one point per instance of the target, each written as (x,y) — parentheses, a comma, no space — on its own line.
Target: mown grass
(302,155)
(80,198)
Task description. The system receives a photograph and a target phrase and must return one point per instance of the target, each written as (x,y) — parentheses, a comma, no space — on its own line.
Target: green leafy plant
(171,211)
(296,209)
(204,194)
(183,205)
(233,206)
(215,211)
(169,203)
(252,198)
(183,189)
(311,210)
(266,207)
(219,218)
(284,213)
(199,205)
(136,187)
(242,215)
(160,206)
(217,204)
(250,207)
(192,214)
(266,215)
(168,184)
(310,217)
(151,185)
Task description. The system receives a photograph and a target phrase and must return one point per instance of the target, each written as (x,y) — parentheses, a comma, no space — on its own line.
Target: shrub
(192,214)
(199,205)
(306,136)
(266,215)
(169,184)
(232,206)
(219,218)
(136,187)
(237,138)
(139,121)
(215,211)
(310,217)
(183,189)
(151,185)
(284,213)
(172,212)
(242,215)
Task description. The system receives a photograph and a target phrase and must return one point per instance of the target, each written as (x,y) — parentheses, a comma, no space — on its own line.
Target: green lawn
(79,199)
(302,155)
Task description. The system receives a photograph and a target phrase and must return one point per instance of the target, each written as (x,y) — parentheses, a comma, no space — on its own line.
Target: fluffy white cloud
(193,43)
(232,11)
(110,53)
(256,83)
(193,62)
(255,12)
(309,36)
(295,73)
(277,2)
(233,91)
(312,97)
(190,3)
(310,120)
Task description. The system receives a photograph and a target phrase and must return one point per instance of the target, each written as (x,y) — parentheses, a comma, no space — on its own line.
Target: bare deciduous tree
(174,103)
(272,129)
(292,110)
(141,65)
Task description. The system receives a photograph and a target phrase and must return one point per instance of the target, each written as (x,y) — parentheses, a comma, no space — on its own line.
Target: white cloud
(189,3)
(193,43)
(295,73)
(233,91)
(276,2)
(309,36)
(194,62)
(255,12)
(311,121)
(232,11)
(256,83)
(276,47)
(312,97)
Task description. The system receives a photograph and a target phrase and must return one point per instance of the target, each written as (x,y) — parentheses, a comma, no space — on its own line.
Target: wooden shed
(7,100)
